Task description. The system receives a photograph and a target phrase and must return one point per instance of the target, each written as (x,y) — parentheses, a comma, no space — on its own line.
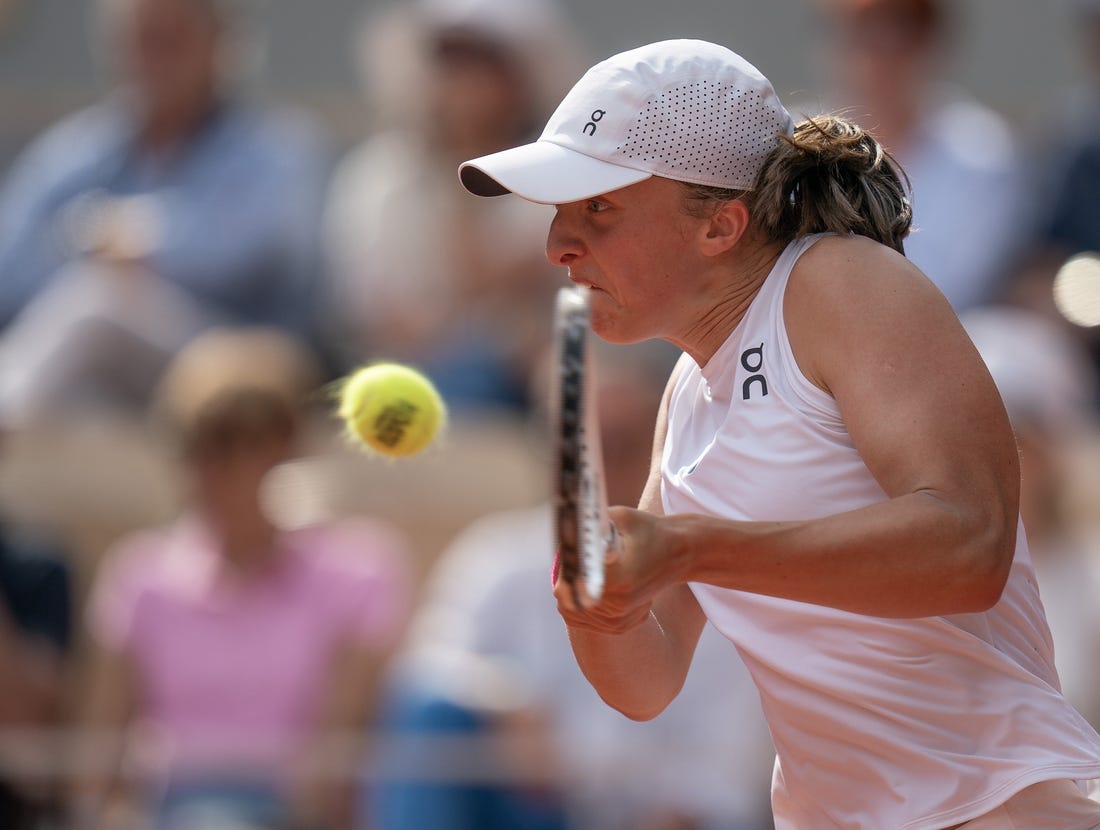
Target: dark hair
(829,176)
(925,19)
(237,417)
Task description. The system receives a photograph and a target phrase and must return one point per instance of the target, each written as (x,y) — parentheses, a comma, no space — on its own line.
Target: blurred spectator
(35,637)
(489,659)
(172,205)
(1068,183)
(1048,385)
(424,272)
(1072,222)
(960,157)
(244,655)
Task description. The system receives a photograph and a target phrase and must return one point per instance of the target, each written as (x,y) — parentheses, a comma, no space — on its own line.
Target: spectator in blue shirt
(174,204)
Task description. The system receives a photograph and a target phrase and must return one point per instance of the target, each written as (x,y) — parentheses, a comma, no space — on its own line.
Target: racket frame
(583,531)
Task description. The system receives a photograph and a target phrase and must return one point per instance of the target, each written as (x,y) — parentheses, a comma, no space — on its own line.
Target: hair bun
(832,175)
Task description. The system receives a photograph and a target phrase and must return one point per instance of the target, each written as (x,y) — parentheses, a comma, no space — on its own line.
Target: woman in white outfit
(834,483)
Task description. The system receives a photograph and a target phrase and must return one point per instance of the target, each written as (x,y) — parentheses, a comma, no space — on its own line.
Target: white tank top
(913,724)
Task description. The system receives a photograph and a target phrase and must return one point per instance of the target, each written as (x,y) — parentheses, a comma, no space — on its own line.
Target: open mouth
(583,283)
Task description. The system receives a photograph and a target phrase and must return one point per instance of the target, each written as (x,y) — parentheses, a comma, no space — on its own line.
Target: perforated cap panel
(676,135)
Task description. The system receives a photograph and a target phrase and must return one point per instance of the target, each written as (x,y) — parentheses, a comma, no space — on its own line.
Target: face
(478,94)
(637,250)
(878,52)
(168,50)
(228,475)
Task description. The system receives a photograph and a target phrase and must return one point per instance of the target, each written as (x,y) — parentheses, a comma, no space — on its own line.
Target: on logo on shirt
(753,361)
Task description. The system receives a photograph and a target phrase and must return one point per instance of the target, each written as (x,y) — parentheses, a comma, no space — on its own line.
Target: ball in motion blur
(392,409)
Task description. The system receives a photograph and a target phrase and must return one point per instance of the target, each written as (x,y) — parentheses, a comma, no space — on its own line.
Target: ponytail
(832,176)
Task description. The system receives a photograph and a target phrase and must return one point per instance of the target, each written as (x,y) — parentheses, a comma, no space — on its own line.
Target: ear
(725,228)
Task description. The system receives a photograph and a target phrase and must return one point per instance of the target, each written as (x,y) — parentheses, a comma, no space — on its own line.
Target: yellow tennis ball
(391,408)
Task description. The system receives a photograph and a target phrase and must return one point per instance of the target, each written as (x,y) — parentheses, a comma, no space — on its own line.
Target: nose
(562,244)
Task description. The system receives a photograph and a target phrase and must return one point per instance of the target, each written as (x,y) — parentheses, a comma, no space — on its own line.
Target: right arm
(110,682)
(642,666)
(104,715)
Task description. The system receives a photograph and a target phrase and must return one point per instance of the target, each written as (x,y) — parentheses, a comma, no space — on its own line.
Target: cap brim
(545,172)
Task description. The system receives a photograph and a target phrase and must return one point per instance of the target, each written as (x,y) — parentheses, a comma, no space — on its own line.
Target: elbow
(988,566)
(984,592)
(645,703)
(638,713)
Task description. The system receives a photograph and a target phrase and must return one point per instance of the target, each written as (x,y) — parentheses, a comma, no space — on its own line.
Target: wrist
(680,544)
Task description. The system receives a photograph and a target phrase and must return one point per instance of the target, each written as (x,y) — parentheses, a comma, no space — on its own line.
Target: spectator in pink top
(248,654)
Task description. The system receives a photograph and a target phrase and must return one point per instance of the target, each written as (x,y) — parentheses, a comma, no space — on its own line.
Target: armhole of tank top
(815,399)
(682,371)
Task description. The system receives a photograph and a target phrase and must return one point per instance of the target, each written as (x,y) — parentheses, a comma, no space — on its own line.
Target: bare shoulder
(855,268)
(849,295)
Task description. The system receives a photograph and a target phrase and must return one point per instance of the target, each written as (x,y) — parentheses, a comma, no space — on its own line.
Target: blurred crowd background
(214,612)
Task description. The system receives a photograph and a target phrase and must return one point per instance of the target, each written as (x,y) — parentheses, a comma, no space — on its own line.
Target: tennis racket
(584,532)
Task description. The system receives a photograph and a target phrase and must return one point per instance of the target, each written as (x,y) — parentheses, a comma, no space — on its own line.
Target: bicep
(681,620)
(914,394)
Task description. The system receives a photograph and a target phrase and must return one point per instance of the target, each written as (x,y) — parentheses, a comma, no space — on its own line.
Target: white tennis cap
(682,109)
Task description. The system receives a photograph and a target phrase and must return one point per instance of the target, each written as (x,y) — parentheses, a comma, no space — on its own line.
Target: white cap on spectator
(682,109)
(512,22)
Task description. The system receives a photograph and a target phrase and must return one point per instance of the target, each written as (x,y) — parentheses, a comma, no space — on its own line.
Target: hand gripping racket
(584,532)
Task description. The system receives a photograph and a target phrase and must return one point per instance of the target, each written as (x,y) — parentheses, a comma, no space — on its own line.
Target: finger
(563,593)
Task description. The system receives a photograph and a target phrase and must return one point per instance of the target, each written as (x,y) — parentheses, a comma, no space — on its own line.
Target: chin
(614,323)
(613,331)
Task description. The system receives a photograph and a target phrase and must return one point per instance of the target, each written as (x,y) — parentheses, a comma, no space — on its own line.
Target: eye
(597,206)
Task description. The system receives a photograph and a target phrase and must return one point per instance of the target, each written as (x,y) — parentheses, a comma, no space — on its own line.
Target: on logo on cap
(594,119)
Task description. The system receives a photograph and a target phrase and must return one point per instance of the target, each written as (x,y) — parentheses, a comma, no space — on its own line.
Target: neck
(250,550)
(168,128)
(735,288)
(246,538)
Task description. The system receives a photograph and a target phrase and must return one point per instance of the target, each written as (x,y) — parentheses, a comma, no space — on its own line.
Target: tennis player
(834,484)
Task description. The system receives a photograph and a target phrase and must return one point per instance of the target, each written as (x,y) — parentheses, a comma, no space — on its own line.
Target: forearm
(322,786)
(30,675)
(99,743)
(640,670)
(912,556)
